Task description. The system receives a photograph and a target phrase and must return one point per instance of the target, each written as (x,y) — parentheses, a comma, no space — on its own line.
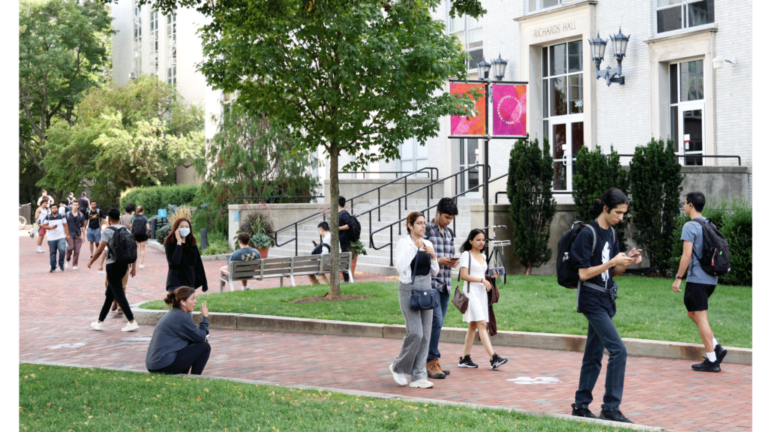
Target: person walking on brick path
(76,233)
(95,220)
(125,219)
(44,197)
(140,228)
(185,267)
(71,198)
(472,268)
(699,285)
(40,214)
(345,223)
(245,253)
(84,202)
(64,208)
(441,237)
(596,254)
(323,248)
(177,343)
(115,274)
(56,227)
(416,263)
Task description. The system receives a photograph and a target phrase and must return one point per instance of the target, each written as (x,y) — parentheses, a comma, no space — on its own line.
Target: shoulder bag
(459,299)
(423,299)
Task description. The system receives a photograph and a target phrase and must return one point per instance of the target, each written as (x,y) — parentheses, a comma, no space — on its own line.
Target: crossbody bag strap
(466,282)
(415,265)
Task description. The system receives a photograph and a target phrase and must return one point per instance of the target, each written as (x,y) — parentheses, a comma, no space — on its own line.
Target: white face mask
(184,232)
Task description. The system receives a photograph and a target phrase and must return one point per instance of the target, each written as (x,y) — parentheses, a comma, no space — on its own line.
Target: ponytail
(180,294)
(612,198)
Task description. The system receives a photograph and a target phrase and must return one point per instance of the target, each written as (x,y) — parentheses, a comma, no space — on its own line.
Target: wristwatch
(677,276)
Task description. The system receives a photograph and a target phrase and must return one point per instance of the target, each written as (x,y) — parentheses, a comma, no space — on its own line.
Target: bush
(593,174)
(162,233)
(734,219)
(532,207)
(656,183)
(175,213)
(158,197)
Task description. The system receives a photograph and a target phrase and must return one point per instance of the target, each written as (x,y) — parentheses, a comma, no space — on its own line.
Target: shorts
(140,238)
(41,232)
(93,234)
(696,297)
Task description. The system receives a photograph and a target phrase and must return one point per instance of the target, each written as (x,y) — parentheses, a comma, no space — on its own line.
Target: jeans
(73,249)
(59,245)
(438,318)
(602,334)
(345,248)
(116,291)
(412,359)
(194,356)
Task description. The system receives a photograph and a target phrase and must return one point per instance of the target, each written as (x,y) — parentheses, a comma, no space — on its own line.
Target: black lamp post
(597,47)
(483,67)
(499,67)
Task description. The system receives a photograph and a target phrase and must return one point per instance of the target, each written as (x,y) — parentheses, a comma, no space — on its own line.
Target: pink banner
(509,109)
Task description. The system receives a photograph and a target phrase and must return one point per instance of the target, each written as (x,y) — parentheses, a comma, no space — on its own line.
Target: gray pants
(418,327)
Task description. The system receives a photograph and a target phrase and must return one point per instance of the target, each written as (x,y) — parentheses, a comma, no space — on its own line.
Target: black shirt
(424,264)
(94,218)
(84,204)
(185,267)
(344,219)
(75,222)
(606,248)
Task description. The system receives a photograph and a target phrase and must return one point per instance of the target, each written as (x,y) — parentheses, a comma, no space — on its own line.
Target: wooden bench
(282,267)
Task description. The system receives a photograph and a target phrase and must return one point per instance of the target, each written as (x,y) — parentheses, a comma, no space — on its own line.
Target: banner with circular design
(510,109)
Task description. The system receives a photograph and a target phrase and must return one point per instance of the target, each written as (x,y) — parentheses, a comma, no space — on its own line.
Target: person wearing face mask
(177,343)
(185,267)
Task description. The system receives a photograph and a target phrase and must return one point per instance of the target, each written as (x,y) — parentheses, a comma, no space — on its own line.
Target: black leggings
(194,356)
(116,291)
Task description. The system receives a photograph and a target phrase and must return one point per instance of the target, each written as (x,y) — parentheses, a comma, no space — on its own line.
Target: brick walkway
(56,310)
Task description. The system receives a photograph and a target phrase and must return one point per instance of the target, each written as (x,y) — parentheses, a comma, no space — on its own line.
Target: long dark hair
(612,198)
(190,239)
(467,246)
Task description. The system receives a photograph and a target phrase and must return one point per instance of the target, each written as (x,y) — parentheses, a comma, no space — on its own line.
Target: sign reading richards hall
(554,29)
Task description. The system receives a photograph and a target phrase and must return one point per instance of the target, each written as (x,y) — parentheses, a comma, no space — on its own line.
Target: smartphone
(314,243)
(454,258)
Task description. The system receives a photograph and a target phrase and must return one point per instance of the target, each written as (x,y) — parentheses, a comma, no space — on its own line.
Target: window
(170,50)
(679,14)
(154,36)
(537,5)
(563,79)
(686,112)
(136,40)
(470,33)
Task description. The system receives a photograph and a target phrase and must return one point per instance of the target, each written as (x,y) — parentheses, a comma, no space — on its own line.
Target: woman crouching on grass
(416,263)
(177,343)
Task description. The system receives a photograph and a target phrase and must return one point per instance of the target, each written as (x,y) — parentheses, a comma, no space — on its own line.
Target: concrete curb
(388,396)
(154,244)
(550,341)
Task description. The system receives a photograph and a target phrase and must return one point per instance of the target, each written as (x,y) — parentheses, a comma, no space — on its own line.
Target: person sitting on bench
(245,253)
(323,248)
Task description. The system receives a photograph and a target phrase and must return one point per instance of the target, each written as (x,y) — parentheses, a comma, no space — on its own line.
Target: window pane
(693,128)
(558,97)
(461,35)
(673,83)
(545,86)
(701,12)
(477,57)
(549,3)
(476,38)
(669,19)
(546,130)
(557,59)
(692,80)
(531,5)
(577,138)
(574,56)
(674,128)
(457,24)
(473,23)
(561,176)
(558,146)
(544,62)
(576,94)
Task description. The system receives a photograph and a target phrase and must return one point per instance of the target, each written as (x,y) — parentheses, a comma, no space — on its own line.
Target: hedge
(158,197)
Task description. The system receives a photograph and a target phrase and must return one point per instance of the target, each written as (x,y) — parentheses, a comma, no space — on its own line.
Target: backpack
(567,273)
(139,225)
(122,245)
(716,253)
(353,234)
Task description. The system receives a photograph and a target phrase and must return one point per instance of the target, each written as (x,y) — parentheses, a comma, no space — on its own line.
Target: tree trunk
(335,288)
(528,270)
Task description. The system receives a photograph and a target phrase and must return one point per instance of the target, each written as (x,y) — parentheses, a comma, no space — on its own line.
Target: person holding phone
(177,343)
(185,267)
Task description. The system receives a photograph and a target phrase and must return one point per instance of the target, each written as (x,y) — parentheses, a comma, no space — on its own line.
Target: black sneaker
(616,416)
(53,270)
(497,361)
(706,366)
(466,362)
(581,412)
(62,268)
(720,352)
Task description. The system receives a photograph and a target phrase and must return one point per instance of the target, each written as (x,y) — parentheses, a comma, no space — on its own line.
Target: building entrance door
(567,138)
(691,134)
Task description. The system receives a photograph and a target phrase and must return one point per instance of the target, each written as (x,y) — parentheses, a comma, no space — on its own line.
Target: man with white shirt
(323,248)
(57,229)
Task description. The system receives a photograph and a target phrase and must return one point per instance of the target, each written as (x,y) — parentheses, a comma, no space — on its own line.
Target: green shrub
(593,174)
(158,197)
(162,233)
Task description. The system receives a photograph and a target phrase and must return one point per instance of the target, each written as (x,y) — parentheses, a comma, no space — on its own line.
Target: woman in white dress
(472,268)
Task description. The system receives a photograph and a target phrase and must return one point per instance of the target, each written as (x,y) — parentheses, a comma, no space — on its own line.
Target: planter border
(550,341)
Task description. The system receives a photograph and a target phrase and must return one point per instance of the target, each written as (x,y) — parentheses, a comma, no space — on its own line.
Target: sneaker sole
(619,421)
(706,370)
(467,366)
(394,376)
(435,376)
(494,367)
(421,387)
(131,330)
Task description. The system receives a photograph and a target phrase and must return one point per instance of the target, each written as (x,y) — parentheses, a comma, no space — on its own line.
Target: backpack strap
(594,244)
(693,249)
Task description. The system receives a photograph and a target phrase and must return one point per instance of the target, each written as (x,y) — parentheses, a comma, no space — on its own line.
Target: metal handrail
(437,173)
(377,189)
(698,156)
(273,198)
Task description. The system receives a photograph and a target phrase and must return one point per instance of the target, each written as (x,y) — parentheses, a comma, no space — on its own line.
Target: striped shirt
(443,244)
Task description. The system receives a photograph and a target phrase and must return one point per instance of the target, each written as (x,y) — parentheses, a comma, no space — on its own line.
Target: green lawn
(647,308)
(73,399)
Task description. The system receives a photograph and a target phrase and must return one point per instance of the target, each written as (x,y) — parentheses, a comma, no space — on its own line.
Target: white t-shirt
(58,222)
(327,240)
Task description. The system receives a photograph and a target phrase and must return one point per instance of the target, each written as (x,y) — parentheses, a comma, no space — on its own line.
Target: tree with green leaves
(249,156)
(354,76)
(593,174)
(64,49)
(124,137)
(531,204)
(656,183)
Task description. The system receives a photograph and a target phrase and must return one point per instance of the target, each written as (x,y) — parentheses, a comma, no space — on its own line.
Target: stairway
(376,261)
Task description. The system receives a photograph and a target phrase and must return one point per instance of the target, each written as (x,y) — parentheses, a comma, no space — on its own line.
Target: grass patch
(217,243)
(647,308)
(73,399)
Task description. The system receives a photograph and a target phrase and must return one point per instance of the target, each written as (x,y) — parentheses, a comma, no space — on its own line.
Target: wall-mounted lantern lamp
(718,62)
(598,45)
(499,68)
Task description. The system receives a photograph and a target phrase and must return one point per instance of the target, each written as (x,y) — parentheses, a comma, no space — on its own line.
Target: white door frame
(465,154)
(567,154)
(682,107)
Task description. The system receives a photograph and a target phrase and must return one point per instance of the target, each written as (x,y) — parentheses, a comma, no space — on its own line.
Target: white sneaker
(40,250)
(97,326)
(101,272)
(66,265)
(141,266)
(131,326)
(422,383)
(74,268)
(400,379)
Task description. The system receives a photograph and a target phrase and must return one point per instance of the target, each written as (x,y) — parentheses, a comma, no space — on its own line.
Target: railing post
(153,228)
(379,193)
(399,216)
(406,193)
(296,238)
(391,240)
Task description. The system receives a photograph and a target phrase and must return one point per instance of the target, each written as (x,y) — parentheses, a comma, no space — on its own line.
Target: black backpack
(567,273)
(122,245)
(139,225)
(716,255)
(353,234)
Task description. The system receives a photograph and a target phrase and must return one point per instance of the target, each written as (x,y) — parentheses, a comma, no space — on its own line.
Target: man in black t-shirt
(84,202)
(95,220)
(345,223)
(596,254)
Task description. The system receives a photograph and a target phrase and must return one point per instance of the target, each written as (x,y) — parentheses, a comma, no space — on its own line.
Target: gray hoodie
(174,331)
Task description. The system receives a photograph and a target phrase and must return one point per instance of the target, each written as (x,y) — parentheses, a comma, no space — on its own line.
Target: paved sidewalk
(56,311)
